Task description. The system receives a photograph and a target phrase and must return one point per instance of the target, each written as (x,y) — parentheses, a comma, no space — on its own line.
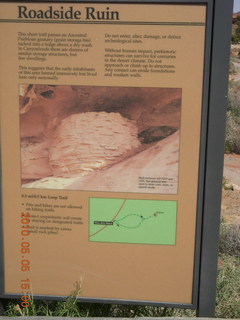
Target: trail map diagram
(132,221)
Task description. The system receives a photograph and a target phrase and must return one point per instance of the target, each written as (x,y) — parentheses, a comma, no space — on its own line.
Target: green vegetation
(232,140)
(228,284)
(236,34)
(228,299)
(72,308)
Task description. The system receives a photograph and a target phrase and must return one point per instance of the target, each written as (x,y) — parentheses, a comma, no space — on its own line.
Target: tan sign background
(57,260)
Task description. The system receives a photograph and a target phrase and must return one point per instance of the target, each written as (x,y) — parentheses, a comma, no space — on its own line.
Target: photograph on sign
(83,138)
(101,114)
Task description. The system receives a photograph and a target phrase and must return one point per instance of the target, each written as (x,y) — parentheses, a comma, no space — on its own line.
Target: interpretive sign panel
(102,116)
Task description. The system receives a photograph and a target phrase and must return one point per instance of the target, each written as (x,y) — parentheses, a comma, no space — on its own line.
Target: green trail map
(133,221)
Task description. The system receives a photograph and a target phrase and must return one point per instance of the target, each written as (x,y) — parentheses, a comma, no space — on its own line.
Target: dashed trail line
(119,222)
(141,220)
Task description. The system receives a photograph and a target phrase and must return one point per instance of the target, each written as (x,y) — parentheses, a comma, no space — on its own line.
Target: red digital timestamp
(25,262)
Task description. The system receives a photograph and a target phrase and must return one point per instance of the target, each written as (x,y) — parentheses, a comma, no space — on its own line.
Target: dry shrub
(232,138)
(229,241)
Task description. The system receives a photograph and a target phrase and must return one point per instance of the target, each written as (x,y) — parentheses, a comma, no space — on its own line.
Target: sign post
(214,159)
(112,126)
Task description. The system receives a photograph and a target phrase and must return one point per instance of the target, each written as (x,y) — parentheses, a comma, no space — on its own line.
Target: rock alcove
(71,136)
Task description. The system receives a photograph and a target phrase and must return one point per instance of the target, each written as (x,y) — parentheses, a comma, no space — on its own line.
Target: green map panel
(133,221)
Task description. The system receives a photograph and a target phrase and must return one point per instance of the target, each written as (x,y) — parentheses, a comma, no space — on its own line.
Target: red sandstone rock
(69,131)
(159,161)
(140,173)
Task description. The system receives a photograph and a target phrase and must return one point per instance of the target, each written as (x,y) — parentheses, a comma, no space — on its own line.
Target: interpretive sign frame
(176,262)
